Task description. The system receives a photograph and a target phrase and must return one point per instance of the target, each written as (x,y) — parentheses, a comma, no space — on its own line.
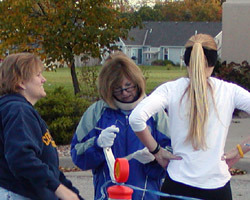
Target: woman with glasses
(29,163)
(121,87)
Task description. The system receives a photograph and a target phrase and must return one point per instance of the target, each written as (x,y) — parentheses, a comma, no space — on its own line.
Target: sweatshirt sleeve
(85,152)
(242,99)
(23,147)
(69,185)
(149,106)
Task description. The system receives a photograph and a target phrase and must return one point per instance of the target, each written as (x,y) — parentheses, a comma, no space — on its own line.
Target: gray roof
(170,33)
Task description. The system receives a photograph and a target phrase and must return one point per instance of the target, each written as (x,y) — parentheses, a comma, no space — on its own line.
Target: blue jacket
(29,163)
(86,154)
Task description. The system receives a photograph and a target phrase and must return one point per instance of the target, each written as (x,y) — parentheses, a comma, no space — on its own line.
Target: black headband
(211,56)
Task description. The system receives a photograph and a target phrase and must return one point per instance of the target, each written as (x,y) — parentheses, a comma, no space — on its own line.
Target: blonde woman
(105,124)
(200,110)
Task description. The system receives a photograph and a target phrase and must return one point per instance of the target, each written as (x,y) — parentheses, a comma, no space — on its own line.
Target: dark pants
(176,188)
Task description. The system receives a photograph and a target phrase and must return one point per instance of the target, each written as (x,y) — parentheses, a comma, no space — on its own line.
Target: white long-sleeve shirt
(198,168)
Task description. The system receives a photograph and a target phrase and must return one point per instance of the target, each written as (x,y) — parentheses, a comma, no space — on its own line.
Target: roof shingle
(170,33)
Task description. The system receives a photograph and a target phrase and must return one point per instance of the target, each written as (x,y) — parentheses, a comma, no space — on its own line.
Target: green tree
(149,14)
(57,30)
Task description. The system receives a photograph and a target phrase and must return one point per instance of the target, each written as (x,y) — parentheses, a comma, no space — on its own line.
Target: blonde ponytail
(198,89)
(197,93)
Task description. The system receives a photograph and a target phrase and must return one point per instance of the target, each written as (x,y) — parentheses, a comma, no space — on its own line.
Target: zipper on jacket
(145,187)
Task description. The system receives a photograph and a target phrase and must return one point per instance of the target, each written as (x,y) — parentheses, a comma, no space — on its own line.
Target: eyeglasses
(120,91)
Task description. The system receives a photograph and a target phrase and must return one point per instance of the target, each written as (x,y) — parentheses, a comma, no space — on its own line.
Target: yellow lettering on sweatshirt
(47,139)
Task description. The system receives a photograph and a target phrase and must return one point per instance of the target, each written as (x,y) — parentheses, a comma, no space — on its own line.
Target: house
(165,40)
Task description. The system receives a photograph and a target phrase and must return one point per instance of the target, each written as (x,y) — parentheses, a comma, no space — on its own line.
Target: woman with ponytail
(200,109)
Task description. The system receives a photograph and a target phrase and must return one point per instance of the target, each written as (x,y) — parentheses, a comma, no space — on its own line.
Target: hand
(107,136)
(231,157)
(64,193)
(143,156)
(163,157)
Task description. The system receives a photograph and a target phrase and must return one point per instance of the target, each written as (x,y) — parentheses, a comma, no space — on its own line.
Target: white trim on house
(152,52)
(218,39)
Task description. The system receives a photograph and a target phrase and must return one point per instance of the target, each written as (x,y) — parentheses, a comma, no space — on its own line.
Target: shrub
(62,113)
(236,73)
(169,66)
(162,62)
(88,76)
(145,72)
(233,72)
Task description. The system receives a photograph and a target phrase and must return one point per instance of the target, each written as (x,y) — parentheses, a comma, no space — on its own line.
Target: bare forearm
(162,155)
(234,155)
(147,139)
(245,148)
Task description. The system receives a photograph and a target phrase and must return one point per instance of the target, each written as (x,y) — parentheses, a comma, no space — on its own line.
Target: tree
(122,5)
(149,14)
(204,10)
(57,30)
(187,10)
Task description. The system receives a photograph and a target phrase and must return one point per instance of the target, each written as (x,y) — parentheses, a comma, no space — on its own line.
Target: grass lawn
(60,77)
(155,74)
(158,75)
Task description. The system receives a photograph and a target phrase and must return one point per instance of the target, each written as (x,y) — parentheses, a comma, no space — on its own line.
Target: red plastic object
(119,192)
(121,170)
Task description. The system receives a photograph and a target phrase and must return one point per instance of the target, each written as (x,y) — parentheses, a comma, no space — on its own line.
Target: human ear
(21,85)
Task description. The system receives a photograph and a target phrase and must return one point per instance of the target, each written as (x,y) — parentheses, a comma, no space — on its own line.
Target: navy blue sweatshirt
(29,163)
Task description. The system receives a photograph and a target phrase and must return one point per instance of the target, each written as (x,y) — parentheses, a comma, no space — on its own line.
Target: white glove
(107,136)
(143,156)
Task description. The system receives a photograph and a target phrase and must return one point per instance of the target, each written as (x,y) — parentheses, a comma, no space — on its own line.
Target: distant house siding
(135,53)
(175,54)
(150,54)
(89,62)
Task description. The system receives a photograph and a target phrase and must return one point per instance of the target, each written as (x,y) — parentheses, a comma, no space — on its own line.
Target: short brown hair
(116,66)
(16,68)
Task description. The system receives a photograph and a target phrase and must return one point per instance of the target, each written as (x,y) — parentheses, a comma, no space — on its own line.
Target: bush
(169,66)
(162,62)
(236,73)
(88,76)
(145,72)
(62,113)
(233,72)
